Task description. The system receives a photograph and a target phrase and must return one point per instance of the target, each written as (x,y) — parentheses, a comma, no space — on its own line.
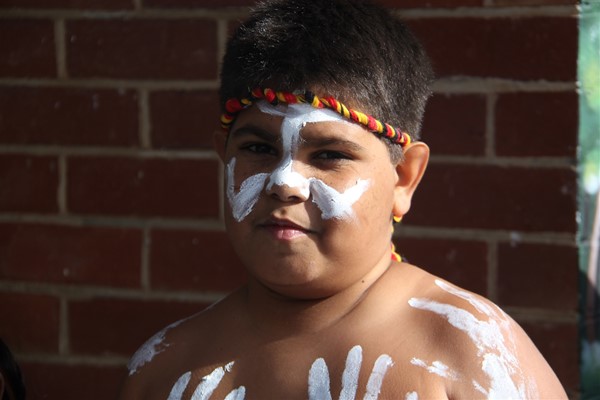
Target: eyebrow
(253,130)
(332,141)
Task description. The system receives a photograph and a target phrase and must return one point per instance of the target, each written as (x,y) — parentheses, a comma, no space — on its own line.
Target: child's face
(310,198)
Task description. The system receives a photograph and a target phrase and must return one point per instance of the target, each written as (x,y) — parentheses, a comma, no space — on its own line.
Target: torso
(392,336)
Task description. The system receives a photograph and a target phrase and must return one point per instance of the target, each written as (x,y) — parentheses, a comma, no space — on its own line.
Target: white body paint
(149,350)
(437,367)
(319,382)
(207,385)
(333,204)
(411,396)
(493,340)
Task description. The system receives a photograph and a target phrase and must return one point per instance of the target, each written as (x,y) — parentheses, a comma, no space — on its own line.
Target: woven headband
(234,106)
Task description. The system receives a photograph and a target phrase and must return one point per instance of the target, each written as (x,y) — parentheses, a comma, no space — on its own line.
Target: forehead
(301,119)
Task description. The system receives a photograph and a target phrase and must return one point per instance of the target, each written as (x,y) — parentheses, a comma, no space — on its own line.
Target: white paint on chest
(207,385)
(331,202)
(319,385)
(437,368)
(493,339)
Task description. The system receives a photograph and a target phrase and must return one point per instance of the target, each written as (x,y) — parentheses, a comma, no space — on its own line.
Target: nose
(288,186)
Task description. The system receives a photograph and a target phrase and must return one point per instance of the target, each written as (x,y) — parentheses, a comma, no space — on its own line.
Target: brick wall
(110,216)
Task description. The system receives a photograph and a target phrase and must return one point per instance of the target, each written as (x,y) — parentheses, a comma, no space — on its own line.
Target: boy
(313,187)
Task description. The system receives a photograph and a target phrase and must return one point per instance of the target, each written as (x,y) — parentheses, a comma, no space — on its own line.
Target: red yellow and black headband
(235,105)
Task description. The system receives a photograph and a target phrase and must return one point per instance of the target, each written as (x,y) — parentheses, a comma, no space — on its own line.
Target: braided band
(234,106)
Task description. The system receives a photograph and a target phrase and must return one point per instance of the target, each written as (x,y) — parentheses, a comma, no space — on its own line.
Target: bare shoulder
(474,346)
(165,357)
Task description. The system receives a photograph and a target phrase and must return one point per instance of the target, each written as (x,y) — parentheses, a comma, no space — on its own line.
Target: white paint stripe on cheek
(382,364)
(351,373)
(318,381)
(334,204)
(243,202)
(179,386)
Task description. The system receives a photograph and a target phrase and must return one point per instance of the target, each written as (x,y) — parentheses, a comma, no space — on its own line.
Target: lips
(284,229)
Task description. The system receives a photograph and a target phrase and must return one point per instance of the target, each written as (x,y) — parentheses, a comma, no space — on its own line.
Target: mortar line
(61,192)
(60,48)
(145,127)
(145,260)
(492,271)
(63,333)
(490,125)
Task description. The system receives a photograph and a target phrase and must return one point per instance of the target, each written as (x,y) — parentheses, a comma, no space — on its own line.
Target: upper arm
(491,356)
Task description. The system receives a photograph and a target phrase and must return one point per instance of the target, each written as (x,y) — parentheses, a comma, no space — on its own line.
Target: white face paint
(333,204)
(493,340)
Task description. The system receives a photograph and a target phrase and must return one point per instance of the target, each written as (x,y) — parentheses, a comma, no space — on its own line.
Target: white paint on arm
(498,360)
(411,396)
(150,349)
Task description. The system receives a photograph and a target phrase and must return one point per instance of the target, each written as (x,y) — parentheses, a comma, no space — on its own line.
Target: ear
(220,143)
(410,170)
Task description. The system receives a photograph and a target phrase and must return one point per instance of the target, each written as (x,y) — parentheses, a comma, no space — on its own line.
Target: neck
(284,315)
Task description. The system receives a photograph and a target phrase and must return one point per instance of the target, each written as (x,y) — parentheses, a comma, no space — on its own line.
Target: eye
(331,155)
(259,148)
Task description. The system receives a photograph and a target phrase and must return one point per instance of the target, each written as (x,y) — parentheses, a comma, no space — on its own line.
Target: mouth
(284,229)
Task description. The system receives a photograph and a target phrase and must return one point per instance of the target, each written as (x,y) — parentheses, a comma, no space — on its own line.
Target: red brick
(463,263)
(489,197)
(429,3)
(142,49)
(131,186)
(29,322)
(66,116)
(184,119)
(72,381)
(194,260)
(27,48)
(28,183)
(538,276)
(71,255)
(113,326)
(559,344)
(522,3)
(198,3)
(537,124)
(69,4)
(455,124)
(525,48)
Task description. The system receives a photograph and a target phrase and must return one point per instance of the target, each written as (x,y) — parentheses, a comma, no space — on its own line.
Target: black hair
(352,50)
(13,380)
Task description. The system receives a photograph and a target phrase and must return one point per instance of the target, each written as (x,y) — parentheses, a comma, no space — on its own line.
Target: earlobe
(220,143)
(410,170)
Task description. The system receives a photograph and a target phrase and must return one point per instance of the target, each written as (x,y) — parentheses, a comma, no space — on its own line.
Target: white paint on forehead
(149,350)
(437,368)
(498,359)
(332,203)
